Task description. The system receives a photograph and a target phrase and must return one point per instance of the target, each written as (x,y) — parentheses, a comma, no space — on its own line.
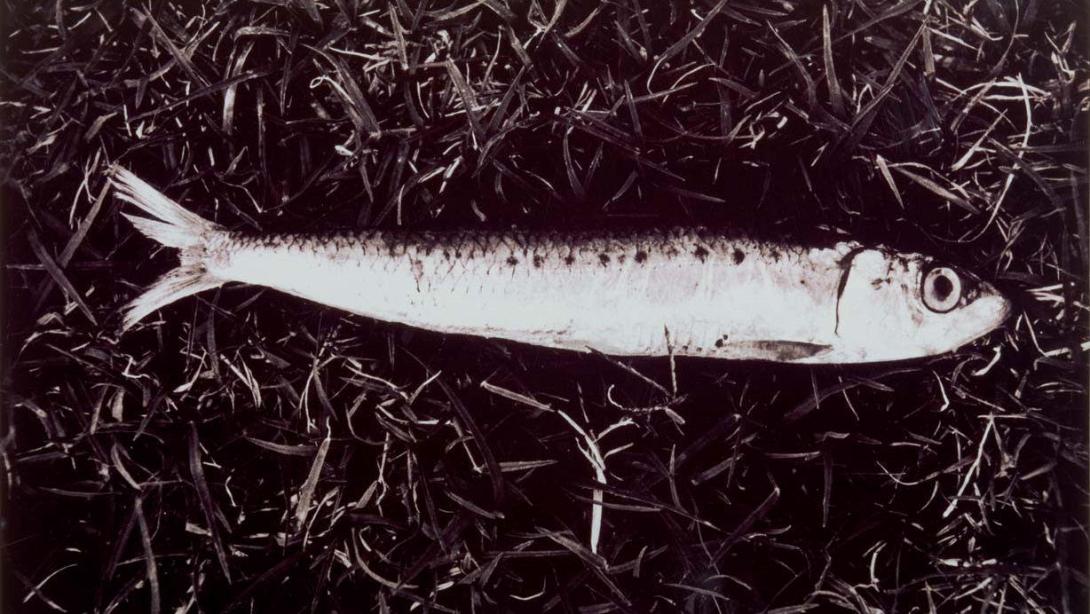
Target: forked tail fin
(173,226)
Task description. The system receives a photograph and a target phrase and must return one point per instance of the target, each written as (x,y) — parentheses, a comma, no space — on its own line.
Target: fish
(651,292)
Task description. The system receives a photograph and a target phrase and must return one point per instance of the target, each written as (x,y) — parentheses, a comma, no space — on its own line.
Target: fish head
(896,306)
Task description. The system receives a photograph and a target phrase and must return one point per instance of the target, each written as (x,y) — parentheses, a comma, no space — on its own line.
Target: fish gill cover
(247,451)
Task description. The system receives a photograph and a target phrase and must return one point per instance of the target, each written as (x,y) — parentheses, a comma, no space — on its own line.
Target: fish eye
(941,289)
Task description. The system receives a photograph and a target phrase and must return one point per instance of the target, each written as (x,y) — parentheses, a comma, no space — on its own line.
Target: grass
(246,451)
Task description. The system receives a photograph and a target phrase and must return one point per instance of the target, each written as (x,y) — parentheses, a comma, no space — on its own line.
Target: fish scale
(682,291)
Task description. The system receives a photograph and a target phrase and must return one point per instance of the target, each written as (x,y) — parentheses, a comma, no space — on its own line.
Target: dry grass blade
(200,93)
(594,563)
(514,396)
(883,168)
(196,471)
(279,448)
(181,58)
(306,493)
(746,524)
(836,98)
(84,227)
(151,567)
(276,571)
(469,101)
(938,190)
(58,276)
(494,473)
(865,115)
(690,36)
(473,507)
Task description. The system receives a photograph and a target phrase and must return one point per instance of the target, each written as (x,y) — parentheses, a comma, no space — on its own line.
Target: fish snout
(985,314)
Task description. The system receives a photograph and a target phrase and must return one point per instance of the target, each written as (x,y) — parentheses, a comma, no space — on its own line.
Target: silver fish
(689,292)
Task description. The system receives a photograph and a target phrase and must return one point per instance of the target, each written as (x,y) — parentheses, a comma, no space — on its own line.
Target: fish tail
(174,226)
(179,283)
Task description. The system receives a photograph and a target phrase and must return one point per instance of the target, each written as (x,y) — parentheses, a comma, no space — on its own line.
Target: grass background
(244,450)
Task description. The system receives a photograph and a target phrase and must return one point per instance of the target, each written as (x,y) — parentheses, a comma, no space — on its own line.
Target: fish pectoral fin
(779,351)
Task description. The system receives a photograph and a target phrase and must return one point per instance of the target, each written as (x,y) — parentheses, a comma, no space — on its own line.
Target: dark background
(165,468)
